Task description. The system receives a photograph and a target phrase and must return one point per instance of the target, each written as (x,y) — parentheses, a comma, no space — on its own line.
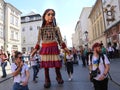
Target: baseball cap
(96,45)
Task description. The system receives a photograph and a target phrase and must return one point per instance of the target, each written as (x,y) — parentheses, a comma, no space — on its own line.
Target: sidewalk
(114,70)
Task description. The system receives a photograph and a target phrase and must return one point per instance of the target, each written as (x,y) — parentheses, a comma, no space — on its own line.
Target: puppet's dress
(50,38)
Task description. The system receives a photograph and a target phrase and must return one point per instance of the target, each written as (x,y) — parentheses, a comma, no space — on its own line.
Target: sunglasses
(20,57)
(51,14)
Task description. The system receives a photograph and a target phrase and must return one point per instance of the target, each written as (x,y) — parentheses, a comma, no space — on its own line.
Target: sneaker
(36,76)
(3,77)
(69,79)
(35,81)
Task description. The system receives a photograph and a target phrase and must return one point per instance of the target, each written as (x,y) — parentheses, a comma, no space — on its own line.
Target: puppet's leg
(59,77)
(47,78)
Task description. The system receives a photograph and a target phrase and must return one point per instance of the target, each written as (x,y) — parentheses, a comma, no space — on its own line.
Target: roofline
(92,8)
(13,7)
(83,10)
(30,15)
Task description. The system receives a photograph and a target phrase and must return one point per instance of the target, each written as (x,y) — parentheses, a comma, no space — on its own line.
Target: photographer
(99,68)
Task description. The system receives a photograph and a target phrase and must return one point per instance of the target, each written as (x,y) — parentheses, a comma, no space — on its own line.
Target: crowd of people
(96,58)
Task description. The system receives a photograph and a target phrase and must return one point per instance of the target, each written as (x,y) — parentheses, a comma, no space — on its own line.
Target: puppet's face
(49,16)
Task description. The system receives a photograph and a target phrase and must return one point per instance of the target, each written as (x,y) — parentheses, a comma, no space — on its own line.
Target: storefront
(113,35)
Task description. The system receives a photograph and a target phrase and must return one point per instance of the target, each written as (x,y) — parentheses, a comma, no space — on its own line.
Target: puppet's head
(49,18)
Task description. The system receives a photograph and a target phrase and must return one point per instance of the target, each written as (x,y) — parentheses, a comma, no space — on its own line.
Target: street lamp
(86,35)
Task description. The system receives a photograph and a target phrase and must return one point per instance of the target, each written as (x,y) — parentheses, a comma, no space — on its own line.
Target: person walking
(82,56)
(99,66)
(35,67)
(110,51)
(50,36)
(20,72)
(69,65)
(74,51)
(3,60)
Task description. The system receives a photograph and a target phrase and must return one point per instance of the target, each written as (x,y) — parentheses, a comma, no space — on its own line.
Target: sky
(67,12)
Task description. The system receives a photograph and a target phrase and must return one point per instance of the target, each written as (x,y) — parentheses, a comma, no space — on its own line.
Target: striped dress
(50,38)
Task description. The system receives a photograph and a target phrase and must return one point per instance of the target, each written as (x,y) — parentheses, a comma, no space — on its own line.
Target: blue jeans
(3,65)
(35,71)
(17,86)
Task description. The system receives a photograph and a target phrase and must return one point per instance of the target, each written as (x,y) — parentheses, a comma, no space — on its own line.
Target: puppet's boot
(47,78)
(59,77)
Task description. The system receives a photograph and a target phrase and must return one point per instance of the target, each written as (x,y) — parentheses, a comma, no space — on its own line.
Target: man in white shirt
(102,66)
(20,72)
(110,50)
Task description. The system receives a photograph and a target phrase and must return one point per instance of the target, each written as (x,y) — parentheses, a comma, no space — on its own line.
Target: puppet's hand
(67,50)
(33,52)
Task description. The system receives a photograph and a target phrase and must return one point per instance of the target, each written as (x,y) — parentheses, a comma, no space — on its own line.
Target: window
(12,19)
(32,18)
(38,27)
(1,5)
(27,19)
(16,35)
(1,14)
(1,31)
(31,28)
(12,11)
(16,21)
(12,34)
(23,29)
(23,39)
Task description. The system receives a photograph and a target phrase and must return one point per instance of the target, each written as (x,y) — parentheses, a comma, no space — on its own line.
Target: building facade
(96,22)
(77,36)
(2,24)
(10,34)
(112,21)
(30,25)
(81,27)
(84,24)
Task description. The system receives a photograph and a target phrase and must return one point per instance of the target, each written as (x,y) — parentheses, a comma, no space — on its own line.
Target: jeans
(3,65)
(35,71)
(17,86)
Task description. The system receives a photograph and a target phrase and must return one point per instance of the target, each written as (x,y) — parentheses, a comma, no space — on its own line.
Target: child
(69,65)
